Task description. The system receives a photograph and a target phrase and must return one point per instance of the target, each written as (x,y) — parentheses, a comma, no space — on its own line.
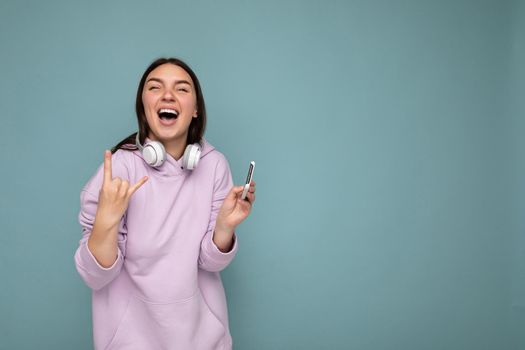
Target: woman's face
(170,103)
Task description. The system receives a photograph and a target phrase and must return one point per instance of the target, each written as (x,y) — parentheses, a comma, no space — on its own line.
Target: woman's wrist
(223,238)
(102,242)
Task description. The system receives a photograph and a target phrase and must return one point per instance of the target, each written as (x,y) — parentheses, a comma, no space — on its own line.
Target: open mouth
(167,114)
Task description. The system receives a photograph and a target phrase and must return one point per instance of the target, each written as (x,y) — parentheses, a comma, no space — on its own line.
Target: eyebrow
(162,82)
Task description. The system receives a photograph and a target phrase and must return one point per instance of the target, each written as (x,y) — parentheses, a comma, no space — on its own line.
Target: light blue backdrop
(388,141)
(517,117)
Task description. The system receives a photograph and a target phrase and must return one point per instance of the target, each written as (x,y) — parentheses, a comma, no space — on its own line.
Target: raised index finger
(107,167)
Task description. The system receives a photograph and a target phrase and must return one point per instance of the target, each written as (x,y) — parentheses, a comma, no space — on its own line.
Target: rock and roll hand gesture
(113,201)
(115,194)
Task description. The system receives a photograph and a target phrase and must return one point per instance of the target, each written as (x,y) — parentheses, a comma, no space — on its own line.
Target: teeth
(167,110)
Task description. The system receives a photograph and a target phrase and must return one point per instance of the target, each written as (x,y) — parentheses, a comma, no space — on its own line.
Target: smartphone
(248,180)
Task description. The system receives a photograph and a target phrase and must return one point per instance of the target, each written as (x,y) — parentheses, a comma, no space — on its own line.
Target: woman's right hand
(113,201)
(114,196)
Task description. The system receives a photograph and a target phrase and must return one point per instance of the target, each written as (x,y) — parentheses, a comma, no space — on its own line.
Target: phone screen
(248,180)
(250,172)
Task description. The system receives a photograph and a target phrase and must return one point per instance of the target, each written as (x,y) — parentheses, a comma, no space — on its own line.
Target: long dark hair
(197,125)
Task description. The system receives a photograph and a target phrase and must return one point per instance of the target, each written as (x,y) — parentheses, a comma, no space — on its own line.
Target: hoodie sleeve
(210,257)
(95,275)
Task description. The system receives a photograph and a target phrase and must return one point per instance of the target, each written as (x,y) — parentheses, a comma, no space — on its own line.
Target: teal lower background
(388,137)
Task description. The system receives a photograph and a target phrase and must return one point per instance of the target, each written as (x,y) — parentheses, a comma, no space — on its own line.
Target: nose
(168,95)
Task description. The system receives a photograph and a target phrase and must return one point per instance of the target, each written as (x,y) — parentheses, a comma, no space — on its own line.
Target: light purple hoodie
(164,290)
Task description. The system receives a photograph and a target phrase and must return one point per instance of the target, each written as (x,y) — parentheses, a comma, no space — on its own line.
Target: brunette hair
(197,125)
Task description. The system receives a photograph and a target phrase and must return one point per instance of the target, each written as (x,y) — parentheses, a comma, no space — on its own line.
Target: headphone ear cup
(192,155)
(154,153)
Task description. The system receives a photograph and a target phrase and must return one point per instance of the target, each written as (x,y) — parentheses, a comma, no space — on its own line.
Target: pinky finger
(250,197)
(136,186)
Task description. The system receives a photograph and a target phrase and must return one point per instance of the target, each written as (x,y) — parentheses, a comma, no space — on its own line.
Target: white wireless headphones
(154,154)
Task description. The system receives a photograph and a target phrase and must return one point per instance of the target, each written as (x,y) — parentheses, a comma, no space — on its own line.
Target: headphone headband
(137,142)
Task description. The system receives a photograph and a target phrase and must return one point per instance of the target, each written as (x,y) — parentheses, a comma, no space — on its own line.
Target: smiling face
(170,103)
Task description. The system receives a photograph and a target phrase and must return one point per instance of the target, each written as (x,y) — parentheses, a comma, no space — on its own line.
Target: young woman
(158,221)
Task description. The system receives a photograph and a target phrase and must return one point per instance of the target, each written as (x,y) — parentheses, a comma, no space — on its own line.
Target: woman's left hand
(234,209)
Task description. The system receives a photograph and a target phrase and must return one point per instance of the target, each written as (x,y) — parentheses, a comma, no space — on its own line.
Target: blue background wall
(387,138)
(517,118)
